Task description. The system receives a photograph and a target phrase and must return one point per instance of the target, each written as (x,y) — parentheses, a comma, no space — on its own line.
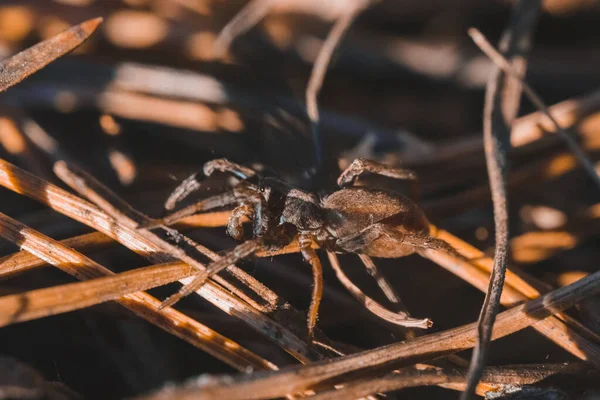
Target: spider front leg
(191,183)
(360,165)
(242,193)
(310,256)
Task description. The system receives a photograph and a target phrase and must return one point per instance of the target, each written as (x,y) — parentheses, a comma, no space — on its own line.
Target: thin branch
(317,75)
(420,349)
(501,105)
(243,21)
(537,101)
(142,304)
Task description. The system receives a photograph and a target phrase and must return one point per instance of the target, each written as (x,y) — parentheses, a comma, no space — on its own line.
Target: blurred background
(146,101)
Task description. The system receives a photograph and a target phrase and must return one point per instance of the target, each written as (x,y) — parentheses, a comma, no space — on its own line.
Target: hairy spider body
(353,210)
(355,220)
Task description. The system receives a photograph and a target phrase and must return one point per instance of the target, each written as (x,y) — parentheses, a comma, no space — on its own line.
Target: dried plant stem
(501,105)
(140,303)
(297,379)
(22,261)
(59,200)
(249,16)
(317,75)
(60,299)
(537,101)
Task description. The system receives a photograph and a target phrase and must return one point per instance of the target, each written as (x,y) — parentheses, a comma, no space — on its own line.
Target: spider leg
(188,186)
(191,183)
(381,280)
(353,243)
(224,165)
(430,243)
(397,318)
(310,256)
(220,200)
(235,225)
(231,257)
(241,193)
(360,165)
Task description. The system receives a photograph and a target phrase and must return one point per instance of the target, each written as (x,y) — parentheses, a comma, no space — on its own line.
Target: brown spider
(356,220)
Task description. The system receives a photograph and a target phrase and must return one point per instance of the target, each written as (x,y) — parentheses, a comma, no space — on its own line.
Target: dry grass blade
(537,101)
(501,105)
(31,60)
(60,299)
(297,379)
(22,261)
(140,303)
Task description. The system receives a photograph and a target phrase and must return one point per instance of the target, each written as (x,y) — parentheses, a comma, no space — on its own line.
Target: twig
(31,60)
(243,21)
(317,75)
(537,101)
(501,105)
(140,303)
(297,379)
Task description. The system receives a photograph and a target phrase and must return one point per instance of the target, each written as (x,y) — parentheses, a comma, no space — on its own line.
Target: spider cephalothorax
(352,219)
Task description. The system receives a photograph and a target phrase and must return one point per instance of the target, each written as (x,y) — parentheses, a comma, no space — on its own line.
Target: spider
(357,220)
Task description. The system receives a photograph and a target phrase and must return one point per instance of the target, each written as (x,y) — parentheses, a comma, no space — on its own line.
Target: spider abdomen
(350,211)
